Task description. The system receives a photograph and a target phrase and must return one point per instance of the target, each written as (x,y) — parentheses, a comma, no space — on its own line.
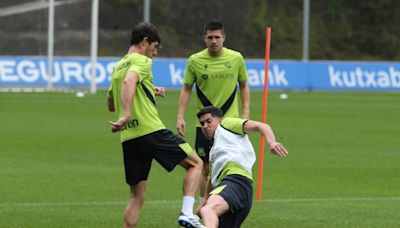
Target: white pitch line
(291,200)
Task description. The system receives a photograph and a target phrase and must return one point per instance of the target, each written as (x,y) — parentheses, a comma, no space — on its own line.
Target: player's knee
(139,198)
(198,166)
(197,162)
(192,162)
(207,210)
(203,211)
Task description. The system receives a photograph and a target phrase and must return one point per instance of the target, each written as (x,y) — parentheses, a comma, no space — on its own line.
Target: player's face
(151,49)
(214,40)
(209,124)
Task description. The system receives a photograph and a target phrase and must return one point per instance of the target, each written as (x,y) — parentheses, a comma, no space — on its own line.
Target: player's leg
(137,165)
(132,210)
(237,192)
(204,180)
(194,166)
(214,207)
(234,220)
(170,150)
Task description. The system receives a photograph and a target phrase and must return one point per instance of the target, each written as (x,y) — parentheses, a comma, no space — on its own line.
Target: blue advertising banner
(354,76)
(283,75)
(67,72)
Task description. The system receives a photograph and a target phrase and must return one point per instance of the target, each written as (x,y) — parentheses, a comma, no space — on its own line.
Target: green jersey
(144,115)
(216,79)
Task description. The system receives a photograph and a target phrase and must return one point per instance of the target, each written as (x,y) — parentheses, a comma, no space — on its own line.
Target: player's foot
(190,221)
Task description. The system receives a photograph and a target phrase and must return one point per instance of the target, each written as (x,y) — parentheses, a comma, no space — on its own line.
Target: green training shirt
(144,115)
(216,79)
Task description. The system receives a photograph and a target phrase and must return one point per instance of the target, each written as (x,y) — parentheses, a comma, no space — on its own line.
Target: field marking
(289,200)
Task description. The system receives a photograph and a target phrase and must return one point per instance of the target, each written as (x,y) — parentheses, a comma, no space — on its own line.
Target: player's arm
(266,131)
(184,98)
(127,96)
(245,96)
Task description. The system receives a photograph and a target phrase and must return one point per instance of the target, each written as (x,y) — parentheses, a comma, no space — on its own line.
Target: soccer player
(143,135)
(232,157)
(215,71)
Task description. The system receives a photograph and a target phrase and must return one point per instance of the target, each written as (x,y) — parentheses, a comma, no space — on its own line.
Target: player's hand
(159,91)
(278,149)
(117,125)
(180,126)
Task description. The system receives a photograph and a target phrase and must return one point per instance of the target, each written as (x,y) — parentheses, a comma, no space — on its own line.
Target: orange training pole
(264,112)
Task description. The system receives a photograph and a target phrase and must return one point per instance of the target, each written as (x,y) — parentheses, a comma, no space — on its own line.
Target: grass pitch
(60,166)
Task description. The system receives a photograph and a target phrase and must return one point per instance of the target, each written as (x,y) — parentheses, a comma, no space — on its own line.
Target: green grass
(60,166)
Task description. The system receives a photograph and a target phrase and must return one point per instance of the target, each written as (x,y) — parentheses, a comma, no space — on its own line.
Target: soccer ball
(283,96)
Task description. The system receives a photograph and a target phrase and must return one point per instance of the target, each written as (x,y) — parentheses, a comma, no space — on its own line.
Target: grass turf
(61,167)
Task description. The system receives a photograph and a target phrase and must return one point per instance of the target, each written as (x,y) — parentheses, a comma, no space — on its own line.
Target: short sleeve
(234,125)
(135,68)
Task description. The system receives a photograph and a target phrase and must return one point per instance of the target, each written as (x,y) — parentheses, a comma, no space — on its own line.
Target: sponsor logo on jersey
(200,152)
(131,124)
(222,76)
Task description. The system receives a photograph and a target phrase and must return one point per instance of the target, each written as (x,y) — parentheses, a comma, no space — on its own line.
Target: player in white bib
(229,191)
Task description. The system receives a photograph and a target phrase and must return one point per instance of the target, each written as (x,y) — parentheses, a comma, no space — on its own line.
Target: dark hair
(142,30)
(214,111)
(214,25)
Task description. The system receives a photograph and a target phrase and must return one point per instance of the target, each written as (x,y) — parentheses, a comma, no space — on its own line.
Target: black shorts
(237,191)
(164,146)
(202,145)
